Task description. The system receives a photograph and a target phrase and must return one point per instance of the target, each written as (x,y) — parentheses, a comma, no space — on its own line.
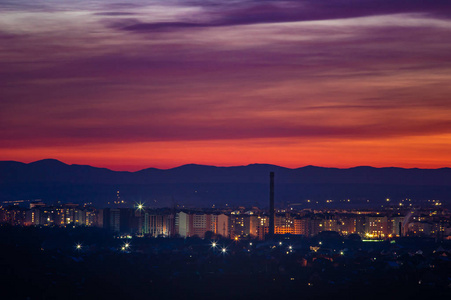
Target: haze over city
(137,84)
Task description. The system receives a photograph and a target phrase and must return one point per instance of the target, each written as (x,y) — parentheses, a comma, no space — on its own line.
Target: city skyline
(134,85)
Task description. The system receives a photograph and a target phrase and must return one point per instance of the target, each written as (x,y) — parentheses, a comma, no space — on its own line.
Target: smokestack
(271,204)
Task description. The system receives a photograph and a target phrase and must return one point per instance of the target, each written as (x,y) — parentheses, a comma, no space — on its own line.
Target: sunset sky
(136,84)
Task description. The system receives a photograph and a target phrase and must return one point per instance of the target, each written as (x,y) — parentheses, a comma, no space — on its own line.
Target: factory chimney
(271,205)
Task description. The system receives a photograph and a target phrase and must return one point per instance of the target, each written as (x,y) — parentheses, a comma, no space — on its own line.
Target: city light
(140,206)
(184,106)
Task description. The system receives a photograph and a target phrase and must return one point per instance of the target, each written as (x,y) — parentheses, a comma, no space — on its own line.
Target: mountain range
(203,186)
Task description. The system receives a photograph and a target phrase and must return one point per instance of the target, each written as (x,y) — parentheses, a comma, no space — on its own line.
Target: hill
(203,186)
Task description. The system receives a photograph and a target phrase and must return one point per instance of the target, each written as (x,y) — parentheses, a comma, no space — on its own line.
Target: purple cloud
(72,80)
(114,13)
(261,12)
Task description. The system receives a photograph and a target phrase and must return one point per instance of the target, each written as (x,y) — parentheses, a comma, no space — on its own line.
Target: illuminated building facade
(240,223)
(157,224)
(197,224)
(284,224)
(376,227)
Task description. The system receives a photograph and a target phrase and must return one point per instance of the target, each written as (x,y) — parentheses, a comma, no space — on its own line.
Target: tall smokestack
(271,204)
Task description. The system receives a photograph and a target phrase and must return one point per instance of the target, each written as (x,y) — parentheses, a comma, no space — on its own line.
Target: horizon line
(218,166)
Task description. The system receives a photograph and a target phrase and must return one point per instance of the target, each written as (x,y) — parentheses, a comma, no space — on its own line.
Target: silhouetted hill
(200,185)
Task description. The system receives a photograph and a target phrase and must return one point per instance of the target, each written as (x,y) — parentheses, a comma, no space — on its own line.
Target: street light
(139,206)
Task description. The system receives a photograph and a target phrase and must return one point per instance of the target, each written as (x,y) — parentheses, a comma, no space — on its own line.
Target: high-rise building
(283,224)
(112,219)
(191,224)
(221,225)
(376,226)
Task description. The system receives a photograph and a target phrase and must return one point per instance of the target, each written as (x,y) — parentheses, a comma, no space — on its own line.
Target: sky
(134,84)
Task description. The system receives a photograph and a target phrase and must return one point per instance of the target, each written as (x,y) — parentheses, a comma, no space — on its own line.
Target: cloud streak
(356,73)
(264,12)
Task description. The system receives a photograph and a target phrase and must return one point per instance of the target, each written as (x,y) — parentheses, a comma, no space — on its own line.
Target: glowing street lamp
(214,244)
(224,250)
(125,246)
(78,246)
(139,206)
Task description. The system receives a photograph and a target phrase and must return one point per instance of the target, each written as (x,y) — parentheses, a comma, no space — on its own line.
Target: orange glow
(424,152)
(339,86)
